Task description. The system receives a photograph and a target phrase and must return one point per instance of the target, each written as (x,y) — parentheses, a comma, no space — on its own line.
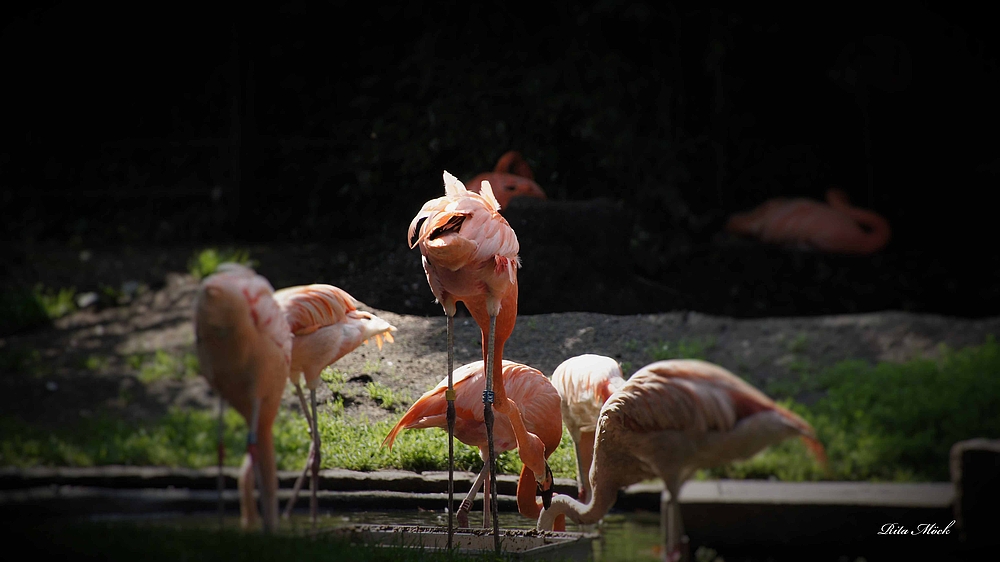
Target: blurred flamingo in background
(667,421)
(511,177)
(584,383)
(834,227)
(326,325)
(244,349)
(539,404)
(469,254)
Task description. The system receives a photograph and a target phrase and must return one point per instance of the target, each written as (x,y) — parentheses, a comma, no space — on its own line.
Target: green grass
(163,365)
(681,349)
(890,421)
(24,309)
(884,422)
(205,262)
(152,542)
(186,438)
(385,396)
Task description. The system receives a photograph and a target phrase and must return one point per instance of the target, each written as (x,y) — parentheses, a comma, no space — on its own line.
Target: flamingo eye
(510,187)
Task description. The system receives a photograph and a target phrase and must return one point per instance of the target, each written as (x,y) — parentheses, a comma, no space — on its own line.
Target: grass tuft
(681,349)
(205,262)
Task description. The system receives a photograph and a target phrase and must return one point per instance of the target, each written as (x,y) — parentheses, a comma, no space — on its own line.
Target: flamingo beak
(545,489)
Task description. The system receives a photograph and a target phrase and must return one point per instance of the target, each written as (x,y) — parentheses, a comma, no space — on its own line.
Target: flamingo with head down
(584,384)
(244,350)
(539,405)
(667,421)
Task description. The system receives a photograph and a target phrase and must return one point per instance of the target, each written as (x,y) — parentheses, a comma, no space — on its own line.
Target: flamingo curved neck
(584,514)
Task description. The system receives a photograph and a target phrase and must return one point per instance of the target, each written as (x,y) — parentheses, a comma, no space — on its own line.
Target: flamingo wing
(686,394)
(689,394)
(429,410)
(311,307)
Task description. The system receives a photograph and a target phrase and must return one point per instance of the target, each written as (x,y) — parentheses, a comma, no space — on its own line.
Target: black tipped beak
(546,493)
(416,232)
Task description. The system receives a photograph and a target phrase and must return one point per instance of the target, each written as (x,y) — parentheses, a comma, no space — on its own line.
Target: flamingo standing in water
(244,348)
(539,404)
(469,254)
(834,227)
(512,177)
(668,420)
(326,325)
(584,384)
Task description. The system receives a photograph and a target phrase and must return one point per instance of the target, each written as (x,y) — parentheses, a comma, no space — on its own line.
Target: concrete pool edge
(429,485)
(737,514)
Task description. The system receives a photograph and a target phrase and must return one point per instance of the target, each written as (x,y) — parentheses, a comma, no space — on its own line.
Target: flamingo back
(535,395)
(310,307)
(234,312)
(689,394)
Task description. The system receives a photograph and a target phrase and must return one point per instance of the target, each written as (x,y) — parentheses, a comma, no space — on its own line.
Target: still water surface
(623,537)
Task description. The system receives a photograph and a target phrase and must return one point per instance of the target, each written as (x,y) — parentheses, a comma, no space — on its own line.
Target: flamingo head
(544,486)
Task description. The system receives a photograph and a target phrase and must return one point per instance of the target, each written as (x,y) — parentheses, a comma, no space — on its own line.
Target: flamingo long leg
(298,483)
(466,507)
(301,479)
(254,459)
(675,544)
(222,455)
(314,484)
(488,396)
(450,397)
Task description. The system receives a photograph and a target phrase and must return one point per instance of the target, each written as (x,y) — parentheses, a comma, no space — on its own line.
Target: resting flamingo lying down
(539,404)
(834,227)
(512,177)
(667,421)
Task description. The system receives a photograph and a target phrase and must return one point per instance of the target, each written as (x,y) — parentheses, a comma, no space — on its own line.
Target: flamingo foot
(462,515)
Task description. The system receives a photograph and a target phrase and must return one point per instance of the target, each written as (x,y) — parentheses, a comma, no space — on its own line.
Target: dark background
(647,124)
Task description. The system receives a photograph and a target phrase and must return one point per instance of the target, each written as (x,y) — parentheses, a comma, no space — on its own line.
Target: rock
(975,471)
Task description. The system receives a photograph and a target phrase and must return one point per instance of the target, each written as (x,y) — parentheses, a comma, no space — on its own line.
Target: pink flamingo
(512,177)
(668,420)
(834,227)
(326,325)
(584,384)
(244,349)
(469,254)
(539,404)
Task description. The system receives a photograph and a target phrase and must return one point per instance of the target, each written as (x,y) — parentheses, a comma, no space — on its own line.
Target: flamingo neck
(584,514)
(527,505)
(530,448)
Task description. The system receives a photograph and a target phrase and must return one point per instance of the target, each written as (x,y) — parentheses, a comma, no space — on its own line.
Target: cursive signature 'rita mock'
(922,529)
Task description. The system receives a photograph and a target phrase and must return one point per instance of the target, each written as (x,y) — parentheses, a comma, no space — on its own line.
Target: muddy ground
(85,361)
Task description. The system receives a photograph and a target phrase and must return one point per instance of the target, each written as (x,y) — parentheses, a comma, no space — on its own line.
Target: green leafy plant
(207,261)
(890,421)
(384,395)
(334,378)
(163,364)
(96,362)
(56,302)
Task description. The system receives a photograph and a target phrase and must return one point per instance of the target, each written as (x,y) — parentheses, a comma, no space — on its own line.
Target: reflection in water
(624,537)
